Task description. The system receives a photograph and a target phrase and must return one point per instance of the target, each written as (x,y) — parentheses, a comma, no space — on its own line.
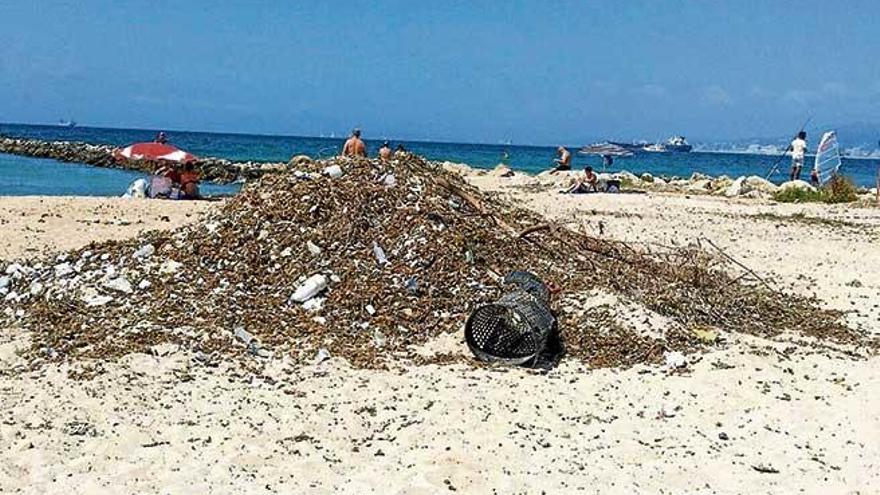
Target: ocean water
(530,159)
(23,176)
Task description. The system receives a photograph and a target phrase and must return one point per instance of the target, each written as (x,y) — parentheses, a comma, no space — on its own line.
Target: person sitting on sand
(385,151)
(400,151)
(161,138)
(798,149)
(563,162)
(589,183)
(189,182)
(355,147)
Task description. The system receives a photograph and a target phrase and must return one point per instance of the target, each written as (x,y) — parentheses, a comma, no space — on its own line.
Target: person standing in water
(564,161)
(798,149)
(385,151)
(355,147)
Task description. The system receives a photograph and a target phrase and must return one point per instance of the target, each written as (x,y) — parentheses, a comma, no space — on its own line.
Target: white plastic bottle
(310,288)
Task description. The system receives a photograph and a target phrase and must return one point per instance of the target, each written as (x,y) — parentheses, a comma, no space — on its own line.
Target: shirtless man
(589,183)
(564,160)
(385,151)
(354,147)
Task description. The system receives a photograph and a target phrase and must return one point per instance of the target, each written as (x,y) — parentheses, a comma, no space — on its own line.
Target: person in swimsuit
(354,147)
(189,182)
(563,162)
(385,151)
(588,184)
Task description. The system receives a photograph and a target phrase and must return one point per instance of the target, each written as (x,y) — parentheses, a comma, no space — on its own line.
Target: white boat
(655,148)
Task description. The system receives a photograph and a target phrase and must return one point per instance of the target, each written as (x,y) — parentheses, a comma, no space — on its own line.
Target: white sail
(827,157)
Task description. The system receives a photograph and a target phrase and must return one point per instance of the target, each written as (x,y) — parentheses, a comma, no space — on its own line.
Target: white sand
(36,224)
(165,424)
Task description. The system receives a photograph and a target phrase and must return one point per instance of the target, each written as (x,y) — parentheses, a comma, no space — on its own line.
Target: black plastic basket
(513,330)
(530,283)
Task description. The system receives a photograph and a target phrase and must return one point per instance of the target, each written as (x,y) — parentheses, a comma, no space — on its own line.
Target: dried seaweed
(446,244)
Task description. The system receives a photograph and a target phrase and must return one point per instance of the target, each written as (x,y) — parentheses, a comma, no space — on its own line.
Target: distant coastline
(263,149)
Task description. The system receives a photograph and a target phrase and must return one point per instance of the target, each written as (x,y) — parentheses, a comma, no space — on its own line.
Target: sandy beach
(752,415)
(36,225)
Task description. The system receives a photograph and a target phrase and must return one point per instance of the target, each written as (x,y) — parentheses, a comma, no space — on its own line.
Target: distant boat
(678,144)
(66,123)
(655,148)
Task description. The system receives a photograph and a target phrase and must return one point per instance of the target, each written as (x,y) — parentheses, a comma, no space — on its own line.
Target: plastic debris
(313,286)
(379,253)
(314,304)
(674,360)
(448,243)
(119,284)
(145,251)
(323,355)
(63,269)
(412,286)
(334,171)
(313,248)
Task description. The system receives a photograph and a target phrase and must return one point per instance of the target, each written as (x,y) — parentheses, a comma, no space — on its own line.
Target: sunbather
(189,182)
(589,182)
(563,163)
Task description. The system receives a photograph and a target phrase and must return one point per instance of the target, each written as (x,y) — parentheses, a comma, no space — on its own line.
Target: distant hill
(857,140)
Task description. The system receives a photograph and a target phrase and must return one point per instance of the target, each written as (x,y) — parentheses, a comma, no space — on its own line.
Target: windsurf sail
(827,157)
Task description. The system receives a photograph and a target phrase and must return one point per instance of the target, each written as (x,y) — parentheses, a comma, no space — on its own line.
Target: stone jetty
(101,155)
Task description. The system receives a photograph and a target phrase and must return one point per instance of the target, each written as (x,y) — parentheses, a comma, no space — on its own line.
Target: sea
(32,176)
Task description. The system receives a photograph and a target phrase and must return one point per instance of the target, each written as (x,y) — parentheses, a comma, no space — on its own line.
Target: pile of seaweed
(395,254)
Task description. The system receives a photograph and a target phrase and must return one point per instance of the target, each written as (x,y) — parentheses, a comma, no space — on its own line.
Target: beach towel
(160,187)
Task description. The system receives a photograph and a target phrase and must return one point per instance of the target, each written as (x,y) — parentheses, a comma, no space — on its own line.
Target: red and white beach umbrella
(154,151)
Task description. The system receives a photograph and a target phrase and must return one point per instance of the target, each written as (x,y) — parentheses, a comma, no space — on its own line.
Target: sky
(534,72)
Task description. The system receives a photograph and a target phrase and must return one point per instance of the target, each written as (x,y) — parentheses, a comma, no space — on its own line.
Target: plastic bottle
(310,288)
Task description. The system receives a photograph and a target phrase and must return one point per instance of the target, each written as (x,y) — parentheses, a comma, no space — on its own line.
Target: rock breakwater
(101,155)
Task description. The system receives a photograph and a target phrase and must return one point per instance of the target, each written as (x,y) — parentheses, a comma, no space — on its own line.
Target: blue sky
(531,71)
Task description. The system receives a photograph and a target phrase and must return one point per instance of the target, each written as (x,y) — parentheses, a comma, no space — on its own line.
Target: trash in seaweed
(390,265)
